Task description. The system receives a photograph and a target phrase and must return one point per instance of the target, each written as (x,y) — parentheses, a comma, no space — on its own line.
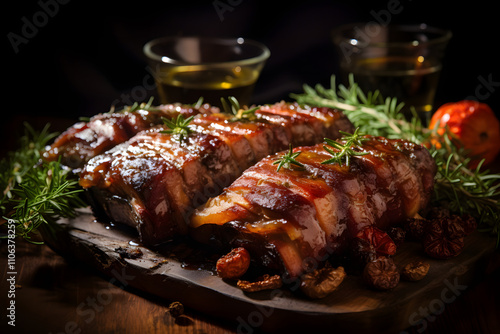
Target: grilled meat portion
(154,181)
(84,140)
(289,218)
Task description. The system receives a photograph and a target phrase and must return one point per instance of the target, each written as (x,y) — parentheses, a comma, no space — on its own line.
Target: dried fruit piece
(381,274)
(444,238)
(264,283)
(176,309)
(382,242)
(321,282)
(234,264)
(415,270)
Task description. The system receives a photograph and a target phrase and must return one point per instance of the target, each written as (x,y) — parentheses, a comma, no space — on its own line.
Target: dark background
(87,55)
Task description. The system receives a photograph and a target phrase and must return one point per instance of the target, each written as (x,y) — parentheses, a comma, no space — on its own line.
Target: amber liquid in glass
(186,84)
(412,80)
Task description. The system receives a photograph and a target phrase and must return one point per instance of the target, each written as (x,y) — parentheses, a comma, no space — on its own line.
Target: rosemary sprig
(346,150)
(288,159)
(14,167)
(137,106)
(370,112)
(36,193)
(178,127)
(239,114)
(461,189)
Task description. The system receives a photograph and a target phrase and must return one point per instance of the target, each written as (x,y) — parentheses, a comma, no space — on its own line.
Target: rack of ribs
(289,217)
(154,181)
(85,140)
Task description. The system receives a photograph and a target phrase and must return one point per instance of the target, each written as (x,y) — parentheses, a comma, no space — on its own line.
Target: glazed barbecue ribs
(155,180)
(286,218)
(85,140)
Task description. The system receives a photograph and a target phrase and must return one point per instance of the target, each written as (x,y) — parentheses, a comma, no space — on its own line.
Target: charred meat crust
(85,140)
(164,180)
(308,214)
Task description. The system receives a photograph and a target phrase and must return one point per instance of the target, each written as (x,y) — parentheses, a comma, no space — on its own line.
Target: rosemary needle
(288,159)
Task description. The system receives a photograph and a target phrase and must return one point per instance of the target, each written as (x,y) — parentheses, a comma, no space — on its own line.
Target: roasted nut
(444,238)
(381,274)
(321,282)
(176,309)
(382,242)
(234,264)
(265,282)
(415,270)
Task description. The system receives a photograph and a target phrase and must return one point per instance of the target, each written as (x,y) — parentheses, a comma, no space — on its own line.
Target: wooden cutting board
(173,272)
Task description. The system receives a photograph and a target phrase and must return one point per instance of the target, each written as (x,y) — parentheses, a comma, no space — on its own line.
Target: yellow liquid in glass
(186,84)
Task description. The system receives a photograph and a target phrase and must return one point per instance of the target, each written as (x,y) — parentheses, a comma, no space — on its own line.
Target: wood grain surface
(96,288)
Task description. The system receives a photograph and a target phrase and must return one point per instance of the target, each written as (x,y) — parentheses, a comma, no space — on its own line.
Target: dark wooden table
(55,295)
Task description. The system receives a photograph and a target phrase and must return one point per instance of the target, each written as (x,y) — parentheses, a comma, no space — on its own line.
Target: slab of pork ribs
(85,140)
(295,217)
(154,180)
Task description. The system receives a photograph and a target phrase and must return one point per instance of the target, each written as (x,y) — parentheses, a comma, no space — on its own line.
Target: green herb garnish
(178,127)
(346,150)
(233,107)
(288,159)
(36,193)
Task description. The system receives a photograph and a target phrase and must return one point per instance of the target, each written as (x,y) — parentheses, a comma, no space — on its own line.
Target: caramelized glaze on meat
(289,218)
(154,181)
(85,140)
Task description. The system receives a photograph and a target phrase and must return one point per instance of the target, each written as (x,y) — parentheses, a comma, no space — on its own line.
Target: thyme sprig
(36,193)
(461,189)
(178,127)
(239,114)
(346,150)
(288,159)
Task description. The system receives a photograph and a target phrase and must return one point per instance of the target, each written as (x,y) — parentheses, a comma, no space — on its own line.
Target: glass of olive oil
(187,68)
(402,61)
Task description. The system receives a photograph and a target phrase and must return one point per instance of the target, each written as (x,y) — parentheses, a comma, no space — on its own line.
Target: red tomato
(474,125)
